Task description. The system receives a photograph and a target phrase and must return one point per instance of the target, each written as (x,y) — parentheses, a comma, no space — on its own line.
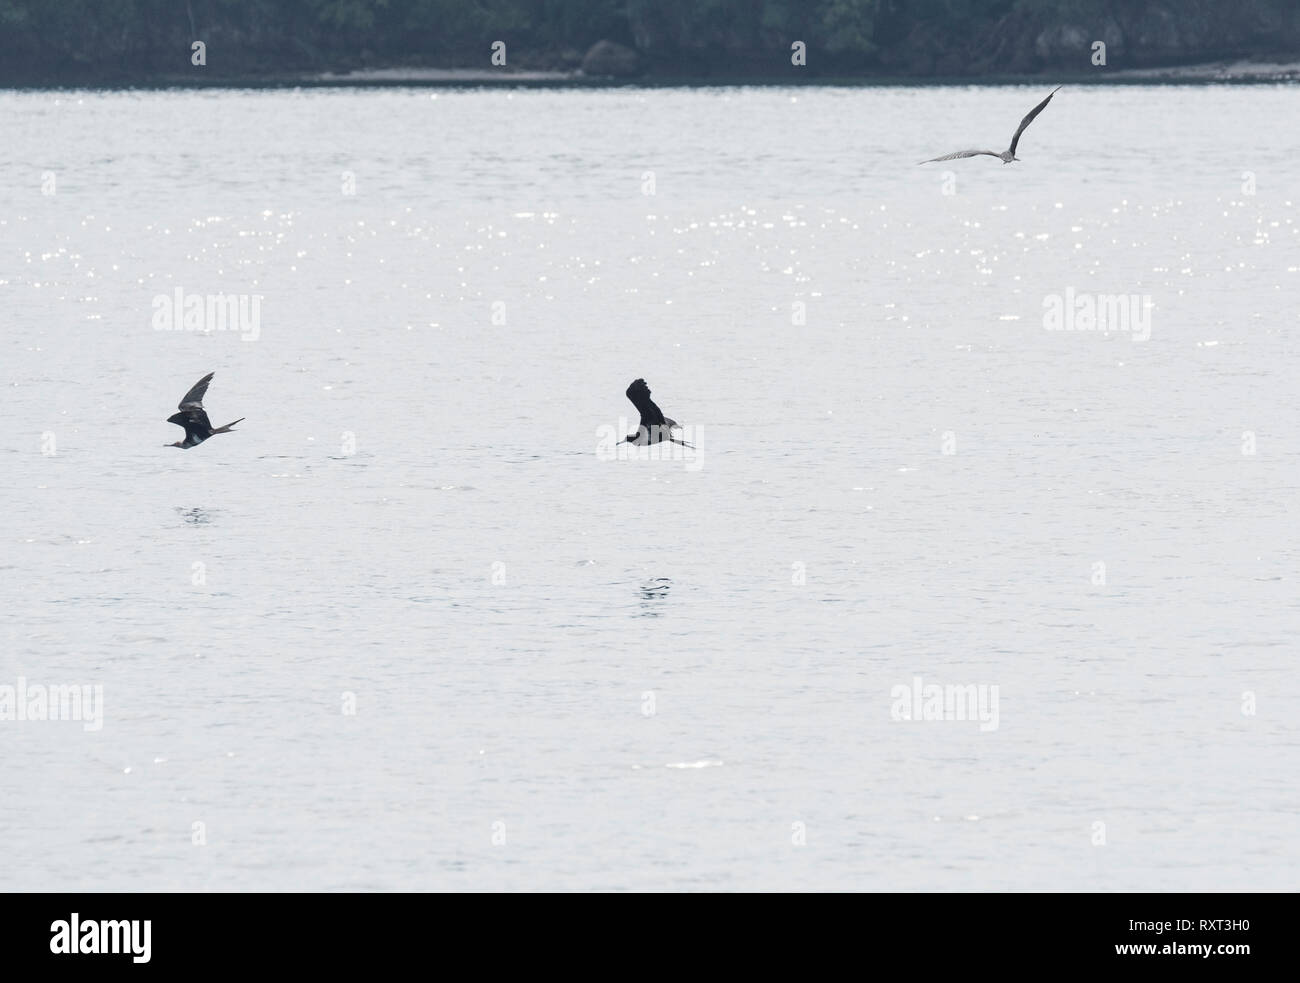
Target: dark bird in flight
(194,418)
(1010,153)
(655,427)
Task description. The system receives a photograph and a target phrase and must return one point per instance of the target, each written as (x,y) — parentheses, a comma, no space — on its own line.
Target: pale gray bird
(1010,153)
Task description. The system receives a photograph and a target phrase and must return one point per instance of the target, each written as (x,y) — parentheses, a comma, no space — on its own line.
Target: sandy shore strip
(415,75)
(1222,71)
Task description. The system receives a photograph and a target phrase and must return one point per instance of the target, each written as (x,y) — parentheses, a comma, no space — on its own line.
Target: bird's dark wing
(1029,118)
(195,396)
(961,153)
(639,393)
(194,420)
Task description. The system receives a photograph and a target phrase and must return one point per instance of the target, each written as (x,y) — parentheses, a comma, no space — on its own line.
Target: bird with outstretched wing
(655,427)
(194,418)
(1010,153)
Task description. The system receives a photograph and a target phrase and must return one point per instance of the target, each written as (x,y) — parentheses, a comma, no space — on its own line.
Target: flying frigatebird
(1010,154)
(194,418)
(655,427)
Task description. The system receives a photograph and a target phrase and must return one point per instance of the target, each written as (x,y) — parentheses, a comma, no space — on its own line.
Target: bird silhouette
(655,427)
(1010,154)
(194,418)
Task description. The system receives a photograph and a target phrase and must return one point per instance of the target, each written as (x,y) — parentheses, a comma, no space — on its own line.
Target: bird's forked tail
(228,426)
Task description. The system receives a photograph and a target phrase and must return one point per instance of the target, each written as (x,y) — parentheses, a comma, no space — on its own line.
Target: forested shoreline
(84,41)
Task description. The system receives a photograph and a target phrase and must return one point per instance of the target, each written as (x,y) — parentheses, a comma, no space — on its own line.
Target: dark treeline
(105,40)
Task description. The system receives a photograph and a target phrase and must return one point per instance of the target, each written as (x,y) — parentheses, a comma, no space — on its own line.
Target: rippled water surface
(413,627)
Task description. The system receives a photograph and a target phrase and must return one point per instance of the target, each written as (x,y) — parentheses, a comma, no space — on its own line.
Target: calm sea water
(411,628)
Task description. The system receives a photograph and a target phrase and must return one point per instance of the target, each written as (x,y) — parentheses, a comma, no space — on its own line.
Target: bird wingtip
(638,391)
